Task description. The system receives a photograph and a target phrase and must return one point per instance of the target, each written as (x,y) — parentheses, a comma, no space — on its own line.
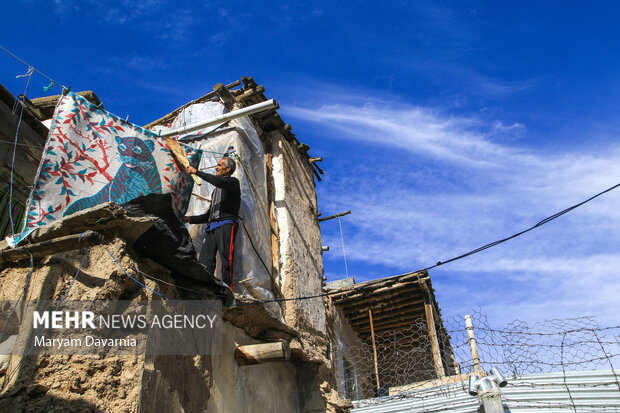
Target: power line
(439,263)
(353,289)
(31,66)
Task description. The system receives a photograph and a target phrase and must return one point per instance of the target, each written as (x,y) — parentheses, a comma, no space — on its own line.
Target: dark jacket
(225,199)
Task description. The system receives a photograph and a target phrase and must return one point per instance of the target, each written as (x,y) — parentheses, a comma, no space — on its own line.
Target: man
(221,217)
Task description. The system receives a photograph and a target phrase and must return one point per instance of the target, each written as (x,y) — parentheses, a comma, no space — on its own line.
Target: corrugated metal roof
(585,391)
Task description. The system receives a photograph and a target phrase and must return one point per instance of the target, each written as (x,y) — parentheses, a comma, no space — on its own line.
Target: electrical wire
(31,66)
(21,144)
(369,283)
(352,289)
(28,75)
(439,263)
(157,292)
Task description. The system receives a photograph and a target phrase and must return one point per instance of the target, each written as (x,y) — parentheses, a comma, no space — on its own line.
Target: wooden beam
(53,246)
(417,277)
(249,93)
(388,317)
(47,104)
(430,321)
(362,300)
(224,94)
(358,296)
(331,216)
(262,353)
(28,117)
(387,313)
(377,288)
(384,308)
(374,349)
(32,107)
(248,82)
(172,115)
(405,322)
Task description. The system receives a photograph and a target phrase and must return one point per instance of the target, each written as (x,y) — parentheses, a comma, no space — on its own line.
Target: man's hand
(185,219)
(190,170)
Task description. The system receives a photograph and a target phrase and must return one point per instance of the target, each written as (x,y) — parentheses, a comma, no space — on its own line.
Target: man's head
(225,167)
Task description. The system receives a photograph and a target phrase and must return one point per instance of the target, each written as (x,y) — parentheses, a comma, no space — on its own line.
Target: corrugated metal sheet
(585,391)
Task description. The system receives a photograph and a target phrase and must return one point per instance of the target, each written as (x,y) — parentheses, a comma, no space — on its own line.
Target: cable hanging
(439,263)
(35,69)
(32,69)
(28,75)
(353,289)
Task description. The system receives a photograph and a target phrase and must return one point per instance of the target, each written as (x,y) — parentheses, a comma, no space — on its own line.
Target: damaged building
(289,341)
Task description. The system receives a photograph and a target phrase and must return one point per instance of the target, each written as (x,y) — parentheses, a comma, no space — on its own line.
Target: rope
(32,67)
(467,254)
(254,248)
(156,292)
(20,144)
(28,75)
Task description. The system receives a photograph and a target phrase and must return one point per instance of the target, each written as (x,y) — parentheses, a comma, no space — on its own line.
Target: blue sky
(442,125)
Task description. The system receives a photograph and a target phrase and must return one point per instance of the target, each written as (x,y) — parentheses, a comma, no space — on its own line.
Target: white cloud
(178,26)
(499,126)
(452,188)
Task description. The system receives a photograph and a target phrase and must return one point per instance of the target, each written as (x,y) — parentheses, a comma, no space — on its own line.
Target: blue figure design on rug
(138,175)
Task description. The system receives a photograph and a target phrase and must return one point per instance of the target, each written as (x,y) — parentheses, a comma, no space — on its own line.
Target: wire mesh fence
(412,361)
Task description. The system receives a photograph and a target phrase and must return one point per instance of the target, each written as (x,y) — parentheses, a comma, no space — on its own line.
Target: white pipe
(259,107)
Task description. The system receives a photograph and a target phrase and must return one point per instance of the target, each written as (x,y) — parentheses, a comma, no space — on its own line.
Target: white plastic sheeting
(253,259)
(197,112)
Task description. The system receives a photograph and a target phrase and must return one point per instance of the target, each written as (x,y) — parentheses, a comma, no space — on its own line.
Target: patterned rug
(92,156)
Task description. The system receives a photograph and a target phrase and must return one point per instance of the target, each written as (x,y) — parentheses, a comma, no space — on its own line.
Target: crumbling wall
(144,383)
(267,387)
(301,263)
(199,383)
(72,383)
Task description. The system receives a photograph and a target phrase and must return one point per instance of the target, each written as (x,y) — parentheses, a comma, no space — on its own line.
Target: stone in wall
(151,383)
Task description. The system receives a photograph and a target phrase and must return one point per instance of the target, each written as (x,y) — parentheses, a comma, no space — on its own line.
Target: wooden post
(473,347)
(335,216)
(52,246)
(262,353)
(432,333)
(224,94)
(374,348)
